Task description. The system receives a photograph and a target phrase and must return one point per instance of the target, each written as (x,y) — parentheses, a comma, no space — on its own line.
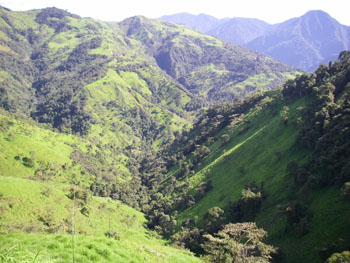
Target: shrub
(113,234)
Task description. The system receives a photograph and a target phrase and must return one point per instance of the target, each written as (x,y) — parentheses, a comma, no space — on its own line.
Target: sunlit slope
(31,210)
(290,147)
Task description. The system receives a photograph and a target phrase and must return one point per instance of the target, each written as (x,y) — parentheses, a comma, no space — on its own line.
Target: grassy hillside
(36,225)
(279,159)
(36,220)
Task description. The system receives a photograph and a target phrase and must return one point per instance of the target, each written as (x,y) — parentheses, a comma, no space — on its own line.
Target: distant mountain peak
(316,12)
(305,41)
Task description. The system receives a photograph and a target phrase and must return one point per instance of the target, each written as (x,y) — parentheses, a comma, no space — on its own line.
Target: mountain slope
(83,76)
(239,30)
(36,224)
(216,70)
(279,158)
(306,41)
(40,211)
(202,22)
(236,30)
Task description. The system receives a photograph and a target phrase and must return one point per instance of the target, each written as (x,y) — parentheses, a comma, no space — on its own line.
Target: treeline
(326,122)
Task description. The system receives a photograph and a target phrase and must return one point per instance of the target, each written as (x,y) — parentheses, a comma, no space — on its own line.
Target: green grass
(23,235)
(21,139)
(246,158)
(58,248)
(261,154)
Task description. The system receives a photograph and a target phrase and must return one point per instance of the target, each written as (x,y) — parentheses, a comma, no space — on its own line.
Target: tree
(284,115)
(213,219)
(343,257)
(239,242)
(225,138)
(189,238)
(299,218)
(251,201)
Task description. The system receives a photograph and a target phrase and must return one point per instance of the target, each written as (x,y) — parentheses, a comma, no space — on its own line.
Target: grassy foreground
(30,210)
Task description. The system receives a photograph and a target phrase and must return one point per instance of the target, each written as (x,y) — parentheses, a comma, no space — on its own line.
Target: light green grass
(23,236)
(21,139)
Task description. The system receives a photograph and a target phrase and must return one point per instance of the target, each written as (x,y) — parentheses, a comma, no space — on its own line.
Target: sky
(271,11)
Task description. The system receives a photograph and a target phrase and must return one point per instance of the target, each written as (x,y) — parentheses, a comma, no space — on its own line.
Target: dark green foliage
(28,162)
(79,194)
(246,208)
(325,123)
(299,174)
(4,100)
(202,189)
(60,91)
(213,219)
(55,18)
(190,239)
(113,234)
(163,223)
(299,218)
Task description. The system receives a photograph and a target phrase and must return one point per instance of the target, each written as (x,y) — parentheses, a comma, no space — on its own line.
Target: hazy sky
(272,11)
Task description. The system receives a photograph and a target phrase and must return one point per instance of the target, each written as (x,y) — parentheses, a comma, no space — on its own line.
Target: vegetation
(239,242)
(36,224)
(278,159)
(97,118)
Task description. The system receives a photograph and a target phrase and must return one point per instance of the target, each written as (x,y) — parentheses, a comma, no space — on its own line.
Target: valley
(136,141)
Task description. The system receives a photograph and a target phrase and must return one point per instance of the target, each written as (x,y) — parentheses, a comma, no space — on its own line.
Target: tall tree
(241,242)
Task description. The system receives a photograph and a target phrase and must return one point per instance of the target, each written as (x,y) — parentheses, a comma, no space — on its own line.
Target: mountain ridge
(297,41)
(321,36)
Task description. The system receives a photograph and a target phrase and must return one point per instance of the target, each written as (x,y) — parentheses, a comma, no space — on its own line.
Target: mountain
(236,30)
(215,70)
(280,159)
(303,42)
(201,22)
(128,87)
(239,30)
(306,41)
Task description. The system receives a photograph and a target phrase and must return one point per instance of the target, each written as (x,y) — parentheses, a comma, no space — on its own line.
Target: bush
(28,162)
(113,234)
